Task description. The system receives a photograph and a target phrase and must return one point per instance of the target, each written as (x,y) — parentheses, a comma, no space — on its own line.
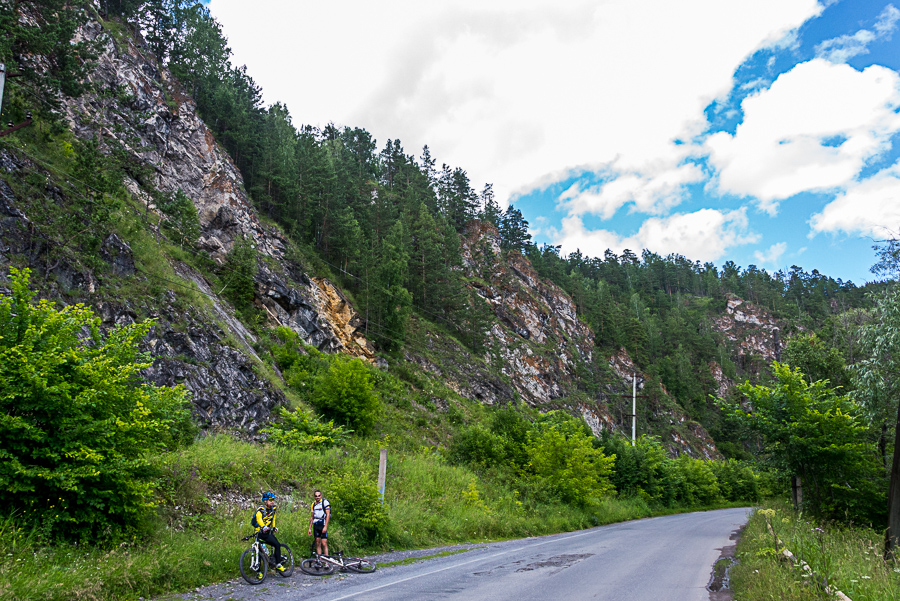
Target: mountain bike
(255,561)
(323,565)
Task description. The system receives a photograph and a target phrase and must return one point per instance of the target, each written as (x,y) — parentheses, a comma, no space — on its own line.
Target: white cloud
(771,256)
(654,193)
(869,208)
(704,235)
(813,129)
(517,93)
(843,48)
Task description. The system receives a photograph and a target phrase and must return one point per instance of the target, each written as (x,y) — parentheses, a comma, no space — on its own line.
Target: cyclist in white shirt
(318,522)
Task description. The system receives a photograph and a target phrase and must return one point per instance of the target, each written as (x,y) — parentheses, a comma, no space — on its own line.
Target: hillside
(512,334)
(201,301)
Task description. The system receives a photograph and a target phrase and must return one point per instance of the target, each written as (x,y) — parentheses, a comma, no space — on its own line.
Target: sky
(764,132)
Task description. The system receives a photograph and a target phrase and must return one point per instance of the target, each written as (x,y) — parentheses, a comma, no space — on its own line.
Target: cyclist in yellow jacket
(264,522)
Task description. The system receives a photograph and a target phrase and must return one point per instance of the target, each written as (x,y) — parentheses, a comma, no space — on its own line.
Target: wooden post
(382,473)
(2,83)
(892,534)
(797,491)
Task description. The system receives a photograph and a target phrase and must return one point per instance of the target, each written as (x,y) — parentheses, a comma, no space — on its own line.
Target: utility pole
(633,408)
(633,414)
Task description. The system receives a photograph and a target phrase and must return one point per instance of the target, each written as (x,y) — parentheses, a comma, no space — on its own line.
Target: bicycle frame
(258,548)
(338,563)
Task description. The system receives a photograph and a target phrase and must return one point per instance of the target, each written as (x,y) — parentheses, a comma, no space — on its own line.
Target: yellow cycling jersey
(263,517)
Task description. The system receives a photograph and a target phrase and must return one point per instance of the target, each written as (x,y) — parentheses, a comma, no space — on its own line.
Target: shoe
(260,576)
(279,567)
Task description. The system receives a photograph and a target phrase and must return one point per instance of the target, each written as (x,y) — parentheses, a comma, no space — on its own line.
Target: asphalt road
(657,559)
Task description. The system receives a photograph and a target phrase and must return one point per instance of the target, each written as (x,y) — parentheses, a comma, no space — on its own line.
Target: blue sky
(763,132)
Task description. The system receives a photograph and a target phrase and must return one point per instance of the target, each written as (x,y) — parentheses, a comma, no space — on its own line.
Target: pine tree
(390,301)
(514,231)
(427,268)
(490,210)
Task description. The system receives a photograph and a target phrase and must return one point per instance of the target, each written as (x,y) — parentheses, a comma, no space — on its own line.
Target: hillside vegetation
(175,341)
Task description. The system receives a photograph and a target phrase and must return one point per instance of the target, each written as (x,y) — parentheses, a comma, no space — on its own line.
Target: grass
(847,558)
(195,539)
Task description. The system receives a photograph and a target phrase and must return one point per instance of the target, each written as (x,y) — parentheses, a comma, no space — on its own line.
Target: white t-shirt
(318,510)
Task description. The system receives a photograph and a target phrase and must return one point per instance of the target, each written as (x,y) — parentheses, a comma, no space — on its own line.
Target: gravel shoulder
(237,589)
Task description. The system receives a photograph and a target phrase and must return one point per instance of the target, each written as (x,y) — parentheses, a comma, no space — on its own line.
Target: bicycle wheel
(254,570)
(287,561)
(316,567)
(359,565)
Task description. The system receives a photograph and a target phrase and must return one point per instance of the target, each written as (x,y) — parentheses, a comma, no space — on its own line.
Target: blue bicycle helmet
(268,496)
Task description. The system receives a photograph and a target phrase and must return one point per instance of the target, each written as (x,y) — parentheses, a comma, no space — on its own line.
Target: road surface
(659,559)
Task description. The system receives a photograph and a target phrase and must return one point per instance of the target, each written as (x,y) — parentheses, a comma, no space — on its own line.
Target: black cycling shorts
(317,530)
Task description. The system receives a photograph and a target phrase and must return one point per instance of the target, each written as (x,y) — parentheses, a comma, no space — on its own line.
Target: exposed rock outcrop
(538,339)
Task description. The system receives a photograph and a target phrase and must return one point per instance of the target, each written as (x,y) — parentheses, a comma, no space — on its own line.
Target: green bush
(239,274)
(737,481)
(299,363)
(642,469)
(77,424)
(694,480)
(344,393)
(303,430)
(356,507)
(479,446)
(563,456)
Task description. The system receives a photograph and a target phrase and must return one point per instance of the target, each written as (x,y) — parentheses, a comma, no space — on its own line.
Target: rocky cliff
(537,346)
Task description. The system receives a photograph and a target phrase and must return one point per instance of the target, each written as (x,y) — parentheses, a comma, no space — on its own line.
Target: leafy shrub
(478,445)
(301,429)
(356,507)
(77,424)
(694,481)
(641,470)
(811,431)
(737,482)
(344,392)
(563,456)
(299,363)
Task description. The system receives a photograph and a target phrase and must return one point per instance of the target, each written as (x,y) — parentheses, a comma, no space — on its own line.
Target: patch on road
(558,561)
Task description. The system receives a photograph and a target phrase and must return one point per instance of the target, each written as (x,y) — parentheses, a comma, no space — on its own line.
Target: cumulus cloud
(651,193)
(869,207)
(813,129)
(843,48)
(772,256)
(704,235)
(516,93)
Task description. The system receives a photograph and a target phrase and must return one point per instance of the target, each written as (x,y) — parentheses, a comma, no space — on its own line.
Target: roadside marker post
(382,473)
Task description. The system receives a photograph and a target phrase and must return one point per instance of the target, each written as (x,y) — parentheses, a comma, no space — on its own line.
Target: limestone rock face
(186,349)
(752,330)
(138,108)
(537,343)
(538,340)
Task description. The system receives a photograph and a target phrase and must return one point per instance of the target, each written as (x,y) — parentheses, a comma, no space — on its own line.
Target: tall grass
(846,558)
(208,491)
